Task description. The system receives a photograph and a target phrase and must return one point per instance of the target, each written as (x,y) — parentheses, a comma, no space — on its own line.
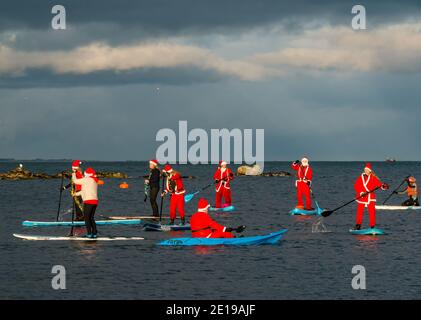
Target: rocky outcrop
(257,171)
(20,173)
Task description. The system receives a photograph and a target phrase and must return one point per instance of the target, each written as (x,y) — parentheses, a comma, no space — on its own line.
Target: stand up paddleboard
(163,227)
(301,212)
(133,217)
(385,207)
(224,209)
(368,231)
(68,238)
(29,223)
(271,238)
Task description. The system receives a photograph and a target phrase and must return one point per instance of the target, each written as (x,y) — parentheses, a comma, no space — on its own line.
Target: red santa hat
(76,164)
(89,172)
(168,168)
(368,166)
(203,205)
(154,162)
(222,162)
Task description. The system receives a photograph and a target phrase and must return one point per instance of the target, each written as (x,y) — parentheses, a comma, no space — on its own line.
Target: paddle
(162,197)
(393,192)
(73,219)
(327,213)
(61,193)
(190,196)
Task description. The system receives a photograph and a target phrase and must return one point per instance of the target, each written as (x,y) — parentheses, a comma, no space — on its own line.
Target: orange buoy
(101,182)
(124,185)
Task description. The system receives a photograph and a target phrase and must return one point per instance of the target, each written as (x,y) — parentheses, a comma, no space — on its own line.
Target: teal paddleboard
(28,223)
(224,209)
(301,212)
(368,231)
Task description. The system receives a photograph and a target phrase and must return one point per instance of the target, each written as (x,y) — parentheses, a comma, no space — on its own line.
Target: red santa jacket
(202,225)
(224,178)
(175,185)
(78,187)
(303,173)
(366,183)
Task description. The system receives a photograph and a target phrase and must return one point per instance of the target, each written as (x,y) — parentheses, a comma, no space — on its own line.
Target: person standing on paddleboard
(175,187)
(153,182)
(303,183)
(223,177)
(364,186)
(203,226)
(89,194)
(75,189)
(411,191)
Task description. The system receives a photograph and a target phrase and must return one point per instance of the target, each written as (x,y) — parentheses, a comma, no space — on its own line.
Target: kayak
(301,212)
(224,209)
(398,208)
(29,223)
(68,238)
(271,238)
(165,227)
(368,231)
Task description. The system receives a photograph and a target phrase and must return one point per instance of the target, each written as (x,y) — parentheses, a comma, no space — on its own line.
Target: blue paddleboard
(368,231)
(165,227)
(224,209)
(28,223)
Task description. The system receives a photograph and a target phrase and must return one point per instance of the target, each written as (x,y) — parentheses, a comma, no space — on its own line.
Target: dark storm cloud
(171,16)
(170,76)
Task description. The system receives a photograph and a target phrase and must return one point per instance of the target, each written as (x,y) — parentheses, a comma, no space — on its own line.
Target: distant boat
(391,160)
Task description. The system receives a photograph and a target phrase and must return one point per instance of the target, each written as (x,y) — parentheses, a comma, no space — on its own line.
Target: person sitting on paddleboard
(411,191)
(89,195)
(203,226)
(303,183)
(77,200)
(153,182)
(223,177)
(175,187)
(365,183)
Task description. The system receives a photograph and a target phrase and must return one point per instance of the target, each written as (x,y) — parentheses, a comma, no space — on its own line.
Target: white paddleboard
(67,238)
(385,207)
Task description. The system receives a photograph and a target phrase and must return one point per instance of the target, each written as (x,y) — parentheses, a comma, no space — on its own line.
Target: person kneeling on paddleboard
(223,177)
(77,200)
(175,187)
(153,183)
(203,226)
(365,187)
(89,195)
(303,183)
(411,191)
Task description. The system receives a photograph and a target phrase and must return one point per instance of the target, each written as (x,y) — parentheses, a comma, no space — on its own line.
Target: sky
(122,70)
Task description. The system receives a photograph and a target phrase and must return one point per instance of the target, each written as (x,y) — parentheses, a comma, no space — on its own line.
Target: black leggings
(89,212)
(411,202)
(153,194)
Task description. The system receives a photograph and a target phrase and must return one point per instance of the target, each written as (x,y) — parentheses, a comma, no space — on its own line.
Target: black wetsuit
(89,213)
(154,178)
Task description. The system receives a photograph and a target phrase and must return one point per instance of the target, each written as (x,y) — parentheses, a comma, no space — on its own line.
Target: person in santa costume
(89,194)
(175,187)
(223,177)
(75,188)
(303,183)
(364,186)
(203,226)
(153,183)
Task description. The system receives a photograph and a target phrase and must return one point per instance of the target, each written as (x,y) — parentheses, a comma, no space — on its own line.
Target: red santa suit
(303,183)
(363,184)
(203,226)
(223,187)
(174,186)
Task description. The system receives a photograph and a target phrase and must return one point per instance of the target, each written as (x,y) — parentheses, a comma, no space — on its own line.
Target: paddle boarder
(152,182)
(411,191)
(223,177)
(364,186)
(89,194)
(303,183)
(175,187)
(76,168)
(203,226)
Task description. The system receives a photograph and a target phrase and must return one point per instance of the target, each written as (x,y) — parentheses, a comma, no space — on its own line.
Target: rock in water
(256,170)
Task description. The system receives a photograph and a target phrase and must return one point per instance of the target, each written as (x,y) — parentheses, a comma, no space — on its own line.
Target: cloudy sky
(122,70)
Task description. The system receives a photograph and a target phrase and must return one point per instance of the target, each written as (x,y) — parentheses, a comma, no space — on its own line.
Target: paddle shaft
(162,198)
(349,202)
(61,193)
(205,187)
(393,192)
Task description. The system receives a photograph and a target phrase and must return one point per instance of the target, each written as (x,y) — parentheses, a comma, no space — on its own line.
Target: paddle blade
(190,196)
(326,213)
